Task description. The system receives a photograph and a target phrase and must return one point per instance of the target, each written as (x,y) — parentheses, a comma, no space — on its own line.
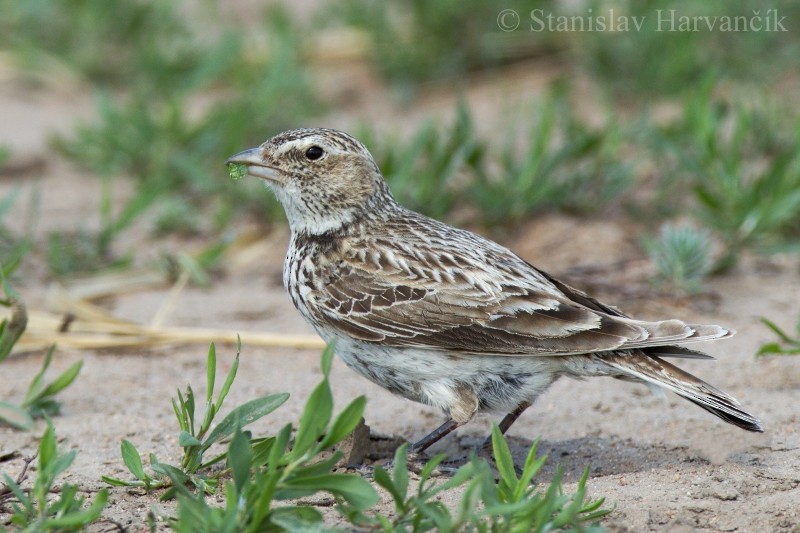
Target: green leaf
(382,479)
(299,519)
(15,416)
(769,348)
(36,383)
(231,375)
(16,489)
(237,171)
(185,440)
(327,358)
(177,408)
(779,332)
(132,459)
(531,468)
(355,490)
(83,517)
(277,452)
(462,475)
(240,456)
(502,456)
(11,330)
(177,475)
(47,447)
(429,467)
(400,470)
(315,418)
(344,424)
(116,482)
(211,372)
(245,414)
(62,462)
(188,406)
(318,467)
(62,382)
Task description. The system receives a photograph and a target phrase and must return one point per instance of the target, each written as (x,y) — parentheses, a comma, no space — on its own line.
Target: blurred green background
(475,112)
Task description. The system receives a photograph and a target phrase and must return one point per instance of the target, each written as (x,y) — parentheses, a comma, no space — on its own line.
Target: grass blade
(211,372)
(62,382)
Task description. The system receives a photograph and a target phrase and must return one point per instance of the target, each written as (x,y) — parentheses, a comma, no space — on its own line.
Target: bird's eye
(314,153)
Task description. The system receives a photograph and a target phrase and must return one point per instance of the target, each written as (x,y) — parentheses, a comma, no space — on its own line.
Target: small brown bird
(443,316)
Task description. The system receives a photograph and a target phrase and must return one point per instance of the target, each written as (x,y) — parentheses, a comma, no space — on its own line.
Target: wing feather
(482,300)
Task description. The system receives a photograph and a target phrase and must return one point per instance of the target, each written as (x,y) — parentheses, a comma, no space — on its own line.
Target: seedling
(429,172)
(511,503)
(745,181)
(564,164)
(33,511)
(682,256)
(40,398)
(786,345)
(194,440)
(269,475)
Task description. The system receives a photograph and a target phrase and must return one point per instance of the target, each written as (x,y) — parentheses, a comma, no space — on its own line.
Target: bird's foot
(365,471)
(415,462)
(484,451)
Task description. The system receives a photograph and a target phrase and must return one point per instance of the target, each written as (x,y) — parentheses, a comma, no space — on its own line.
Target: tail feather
(653,370)
(667,331)
(676,351)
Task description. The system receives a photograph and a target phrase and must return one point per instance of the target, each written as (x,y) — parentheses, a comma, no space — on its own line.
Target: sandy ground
(663,464)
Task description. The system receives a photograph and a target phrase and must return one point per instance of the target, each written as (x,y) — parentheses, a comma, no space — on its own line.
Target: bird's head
(324,178)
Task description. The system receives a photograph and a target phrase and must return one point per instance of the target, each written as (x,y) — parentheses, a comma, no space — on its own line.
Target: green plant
(564,164)
(786,345)
(666,51)
(743,168)
(194,440)
(421,510)
(79,250)
(11,329)
(177,218)
(682,256)
(275,469)
(271,478)
(40,397)
(156,135)
(415,41)
(94,38)
(511,503)
(520,507)
(13,247)
(429,172)
(190,94)
(33,511)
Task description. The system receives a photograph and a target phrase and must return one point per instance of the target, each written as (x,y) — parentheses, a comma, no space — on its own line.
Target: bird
(443,316)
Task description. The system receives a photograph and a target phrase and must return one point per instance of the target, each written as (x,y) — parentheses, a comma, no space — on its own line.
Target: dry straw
(75,322)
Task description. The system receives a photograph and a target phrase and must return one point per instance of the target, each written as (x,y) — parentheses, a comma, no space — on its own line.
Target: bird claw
(365,471)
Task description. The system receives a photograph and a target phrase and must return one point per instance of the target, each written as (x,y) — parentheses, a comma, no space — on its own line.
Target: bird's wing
(471,295)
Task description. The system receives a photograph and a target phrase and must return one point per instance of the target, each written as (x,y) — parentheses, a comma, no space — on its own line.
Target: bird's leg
(504,424)
(485,449)
(434,436)
(511,417)
(415,464)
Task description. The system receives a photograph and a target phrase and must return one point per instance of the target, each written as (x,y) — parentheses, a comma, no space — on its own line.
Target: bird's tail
(648,367)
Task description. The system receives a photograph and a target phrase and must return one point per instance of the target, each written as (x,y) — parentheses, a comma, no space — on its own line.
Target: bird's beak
(256,166)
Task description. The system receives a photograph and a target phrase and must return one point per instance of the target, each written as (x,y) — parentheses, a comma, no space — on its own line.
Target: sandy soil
(664,464)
